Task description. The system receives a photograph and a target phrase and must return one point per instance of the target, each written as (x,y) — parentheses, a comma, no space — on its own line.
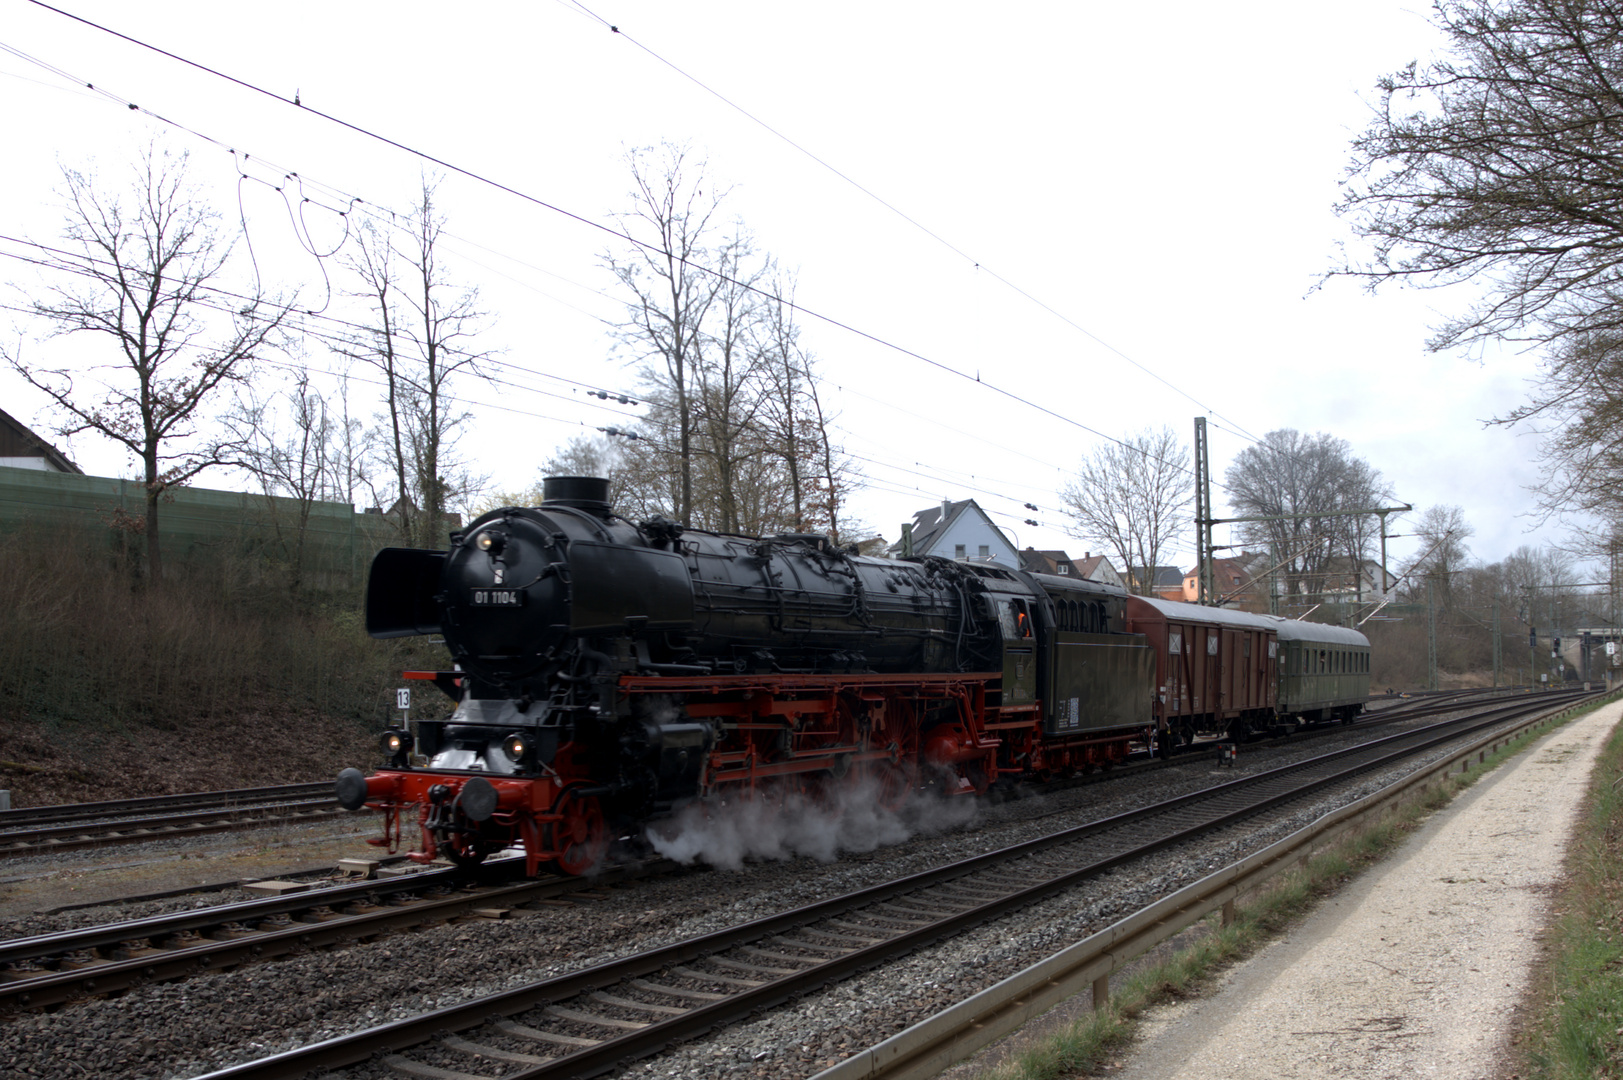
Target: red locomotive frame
(808,734)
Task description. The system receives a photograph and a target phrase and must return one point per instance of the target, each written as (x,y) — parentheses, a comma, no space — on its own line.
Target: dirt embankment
(41,765)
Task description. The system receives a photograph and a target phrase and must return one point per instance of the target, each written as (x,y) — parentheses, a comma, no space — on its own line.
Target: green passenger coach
(1323,672)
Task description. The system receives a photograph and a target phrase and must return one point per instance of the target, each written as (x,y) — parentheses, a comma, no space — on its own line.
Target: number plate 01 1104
(498,598)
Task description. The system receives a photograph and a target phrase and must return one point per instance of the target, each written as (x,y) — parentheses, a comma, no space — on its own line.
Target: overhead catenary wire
(296,319)
(1020,291)
(64,260)
(79,263)
(609,230)
(810,313)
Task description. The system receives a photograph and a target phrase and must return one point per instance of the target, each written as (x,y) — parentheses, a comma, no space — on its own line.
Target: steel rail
(117,956)
(614,1052)
(134,830)
(59,967)
(23,816)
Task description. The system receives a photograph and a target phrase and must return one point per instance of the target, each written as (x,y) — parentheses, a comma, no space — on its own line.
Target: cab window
(1014,619)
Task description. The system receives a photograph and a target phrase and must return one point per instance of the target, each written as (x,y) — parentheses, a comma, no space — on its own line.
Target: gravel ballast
(182,1029)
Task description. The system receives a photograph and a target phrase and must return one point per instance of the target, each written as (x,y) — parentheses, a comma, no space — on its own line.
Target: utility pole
(1496,645)
(1532,642)
(1386,586)
(1203,514)
(1273,579)
(1431,636)
(1612,582)
(1204,521)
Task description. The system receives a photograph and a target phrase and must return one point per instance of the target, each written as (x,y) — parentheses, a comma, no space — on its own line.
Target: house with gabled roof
(1047,562)
(1345,580)
(1090,567)
(21,448)
(1166,582)
(955,530)
(1098,568)
(1241,582)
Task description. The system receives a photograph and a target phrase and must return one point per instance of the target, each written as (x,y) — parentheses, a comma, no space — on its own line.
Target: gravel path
(1413,970)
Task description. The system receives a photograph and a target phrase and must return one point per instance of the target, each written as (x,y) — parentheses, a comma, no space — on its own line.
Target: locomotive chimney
(588,493)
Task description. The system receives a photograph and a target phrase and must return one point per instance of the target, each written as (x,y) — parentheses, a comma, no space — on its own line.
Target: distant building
(1047,562)
(1090,567)
(20,448)
(1098,568)
(957,530)
(1241,582)
(1165,582)
(1344,580)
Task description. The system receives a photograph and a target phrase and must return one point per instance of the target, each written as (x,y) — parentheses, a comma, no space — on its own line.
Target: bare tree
(728,388)
(669,291)
(818,474)
(735,437)
(423,335)
(1298,480)
(287,443)
(1578,406)
(146,282)
(837,474)
(1498,164)
(788,382)
(1442,533)
(1133,497)
(373,262)
(582,455)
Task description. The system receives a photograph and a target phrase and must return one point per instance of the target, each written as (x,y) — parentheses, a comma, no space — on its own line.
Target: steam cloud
(725,833)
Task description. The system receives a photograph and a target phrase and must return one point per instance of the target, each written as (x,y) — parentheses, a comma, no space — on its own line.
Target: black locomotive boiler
(606,673)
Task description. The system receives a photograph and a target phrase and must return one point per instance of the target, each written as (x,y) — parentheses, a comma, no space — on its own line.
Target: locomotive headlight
(515,746)
(396,741)
(490,541)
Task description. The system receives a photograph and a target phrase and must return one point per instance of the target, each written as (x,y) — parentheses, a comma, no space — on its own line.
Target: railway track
(1435,703)
(34,830)
(53,969)
(604,1017)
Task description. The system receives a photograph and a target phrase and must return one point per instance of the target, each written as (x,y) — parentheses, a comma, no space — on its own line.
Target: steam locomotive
(607,673)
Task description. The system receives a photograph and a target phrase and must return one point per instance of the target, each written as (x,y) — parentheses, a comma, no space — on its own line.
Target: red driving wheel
(581,838)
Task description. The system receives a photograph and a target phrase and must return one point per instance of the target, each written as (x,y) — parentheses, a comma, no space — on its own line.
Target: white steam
(723,833)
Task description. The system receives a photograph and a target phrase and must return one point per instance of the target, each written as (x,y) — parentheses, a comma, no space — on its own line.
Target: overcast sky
(1122,213)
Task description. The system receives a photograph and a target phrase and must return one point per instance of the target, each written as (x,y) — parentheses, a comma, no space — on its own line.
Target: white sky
(1162,176)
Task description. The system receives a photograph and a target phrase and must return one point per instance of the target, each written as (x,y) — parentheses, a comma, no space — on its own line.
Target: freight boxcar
(1216,670)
